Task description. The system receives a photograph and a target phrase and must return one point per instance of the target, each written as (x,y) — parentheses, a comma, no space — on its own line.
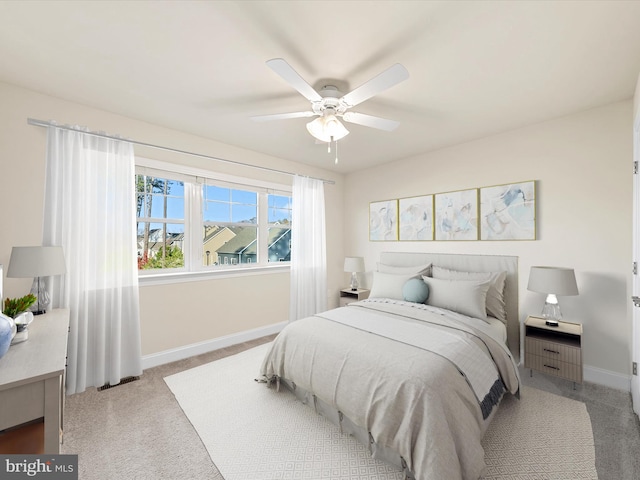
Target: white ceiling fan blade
(282,116)
(370,121)
(381,82)
(286,71)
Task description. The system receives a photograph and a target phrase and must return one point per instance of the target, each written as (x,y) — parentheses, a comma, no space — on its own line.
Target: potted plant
(15,306)
(18,309)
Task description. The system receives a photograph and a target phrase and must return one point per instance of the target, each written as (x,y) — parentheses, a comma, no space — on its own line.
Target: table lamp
(354,265)
(553,281)
(37,262)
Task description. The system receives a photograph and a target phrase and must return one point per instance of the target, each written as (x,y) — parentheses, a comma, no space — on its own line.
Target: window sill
(181,277)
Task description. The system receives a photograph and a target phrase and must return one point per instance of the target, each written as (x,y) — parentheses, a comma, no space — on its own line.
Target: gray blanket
(413,401)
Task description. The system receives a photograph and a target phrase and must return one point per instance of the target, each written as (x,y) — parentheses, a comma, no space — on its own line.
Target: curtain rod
(43,123)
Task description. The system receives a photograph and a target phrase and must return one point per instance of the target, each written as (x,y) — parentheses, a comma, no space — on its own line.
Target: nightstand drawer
(553,366)
(553,350)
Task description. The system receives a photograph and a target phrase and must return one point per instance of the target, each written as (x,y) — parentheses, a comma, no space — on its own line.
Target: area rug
(252,433)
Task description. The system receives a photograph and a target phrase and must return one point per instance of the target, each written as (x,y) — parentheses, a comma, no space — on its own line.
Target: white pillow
(495,295)
(416,270)
(468,297)
(389,285)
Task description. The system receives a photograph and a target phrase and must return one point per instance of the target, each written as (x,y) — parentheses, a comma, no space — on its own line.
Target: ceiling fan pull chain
(336,152)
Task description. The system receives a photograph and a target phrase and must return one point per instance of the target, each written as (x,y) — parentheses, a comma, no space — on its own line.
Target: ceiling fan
(329,103)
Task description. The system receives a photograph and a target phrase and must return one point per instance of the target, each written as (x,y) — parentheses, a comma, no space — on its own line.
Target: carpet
(251,433)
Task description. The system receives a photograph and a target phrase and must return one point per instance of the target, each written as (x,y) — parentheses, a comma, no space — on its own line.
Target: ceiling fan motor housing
(330,103)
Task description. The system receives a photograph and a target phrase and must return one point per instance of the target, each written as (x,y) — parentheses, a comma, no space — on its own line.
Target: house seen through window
(234,226)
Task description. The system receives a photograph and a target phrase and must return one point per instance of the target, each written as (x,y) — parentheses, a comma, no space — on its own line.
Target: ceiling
(476,67)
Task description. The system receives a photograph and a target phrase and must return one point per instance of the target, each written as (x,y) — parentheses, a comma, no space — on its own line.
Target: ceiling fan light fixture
(327,128)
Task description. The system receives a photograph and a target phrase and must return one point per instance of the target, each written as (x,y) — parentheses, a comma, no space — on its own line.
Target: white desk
(32,377)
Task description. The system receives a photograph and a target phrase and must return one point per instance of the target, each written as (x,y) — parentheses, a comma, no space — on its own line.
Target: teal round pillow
(415,290)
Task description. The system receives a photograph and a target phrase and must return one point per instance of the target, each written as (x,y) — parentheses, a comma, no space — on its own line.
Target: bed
(417,382)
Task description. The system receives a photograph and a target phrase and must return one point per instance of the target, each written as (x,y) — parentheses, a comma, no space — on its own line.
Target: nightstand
(553,350)
(347,295)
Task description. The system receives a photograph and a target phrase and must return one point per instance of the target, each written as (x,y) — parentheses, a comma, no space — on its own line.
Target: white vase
(22,321)
(24,318)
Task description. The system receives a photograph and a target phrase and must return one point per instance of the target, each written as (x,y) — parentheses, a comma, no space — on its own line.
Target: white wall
(582,168)
(581,164)
(172,316)
(636,99)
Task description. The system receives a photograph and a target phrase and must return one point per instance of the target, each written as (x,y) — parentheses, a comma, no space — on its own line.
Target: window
(230,219)
(189,223)
(160,222)
(279,228)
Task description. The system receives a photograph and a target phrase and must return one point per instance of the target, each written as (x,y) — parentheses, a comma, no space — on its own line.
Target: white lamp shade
(327,128)
(555,280)
(354,264)
(36,262)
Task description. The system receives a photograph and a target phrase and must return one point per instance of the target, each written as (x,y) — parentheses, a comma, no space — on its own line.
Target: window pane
(279,209)
(217,193)
(158,207)
(217,212)
(244,196)
(279,201)
(244,213)
(230,206)
(279,244)
(160,245)
(175,188)
(229,245)
(155,185)
(279,215)
(175,208)
(159,198)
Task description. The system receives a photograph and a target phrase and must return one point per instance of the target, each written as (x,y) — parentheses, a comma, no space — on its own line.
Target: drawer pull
(551,351)
(550,366)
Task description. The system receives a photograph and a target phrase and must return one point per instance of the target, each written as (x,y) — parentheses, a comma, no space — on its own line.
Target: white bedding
(497,330)
(411,400)
(491,326)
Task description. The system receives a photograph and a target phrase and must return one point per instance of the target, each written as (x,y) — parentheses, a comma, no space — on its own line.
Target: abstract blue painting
(416,218)
(457,215)
(508,212)
(383,221)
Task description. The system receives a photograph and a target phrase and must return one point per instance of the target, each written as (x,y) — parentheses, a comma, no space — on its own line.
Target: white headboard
(473,263)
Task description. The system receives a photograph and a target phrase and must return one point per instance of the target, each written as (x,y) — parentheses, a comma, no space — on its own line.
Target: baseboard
(168,356)
(607,378)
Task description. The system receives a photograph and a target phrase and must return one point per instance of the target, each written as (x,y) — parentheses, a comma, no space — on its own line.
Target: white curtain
(90,211)
(308,249)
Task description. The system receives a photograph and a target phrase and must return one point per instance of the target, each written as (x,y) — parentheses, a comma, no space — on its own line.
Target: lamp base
(551,311)
(354,281)
(39,289)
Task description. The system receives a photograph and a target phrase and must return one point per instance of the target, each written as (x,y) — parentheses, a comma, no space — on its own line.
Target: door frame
(635,315)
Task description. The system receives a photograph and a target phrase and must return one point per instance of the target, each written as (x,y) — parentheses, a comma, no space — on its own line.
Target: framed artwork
(383,221)
(508,212)
(415,218)
(456,215)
